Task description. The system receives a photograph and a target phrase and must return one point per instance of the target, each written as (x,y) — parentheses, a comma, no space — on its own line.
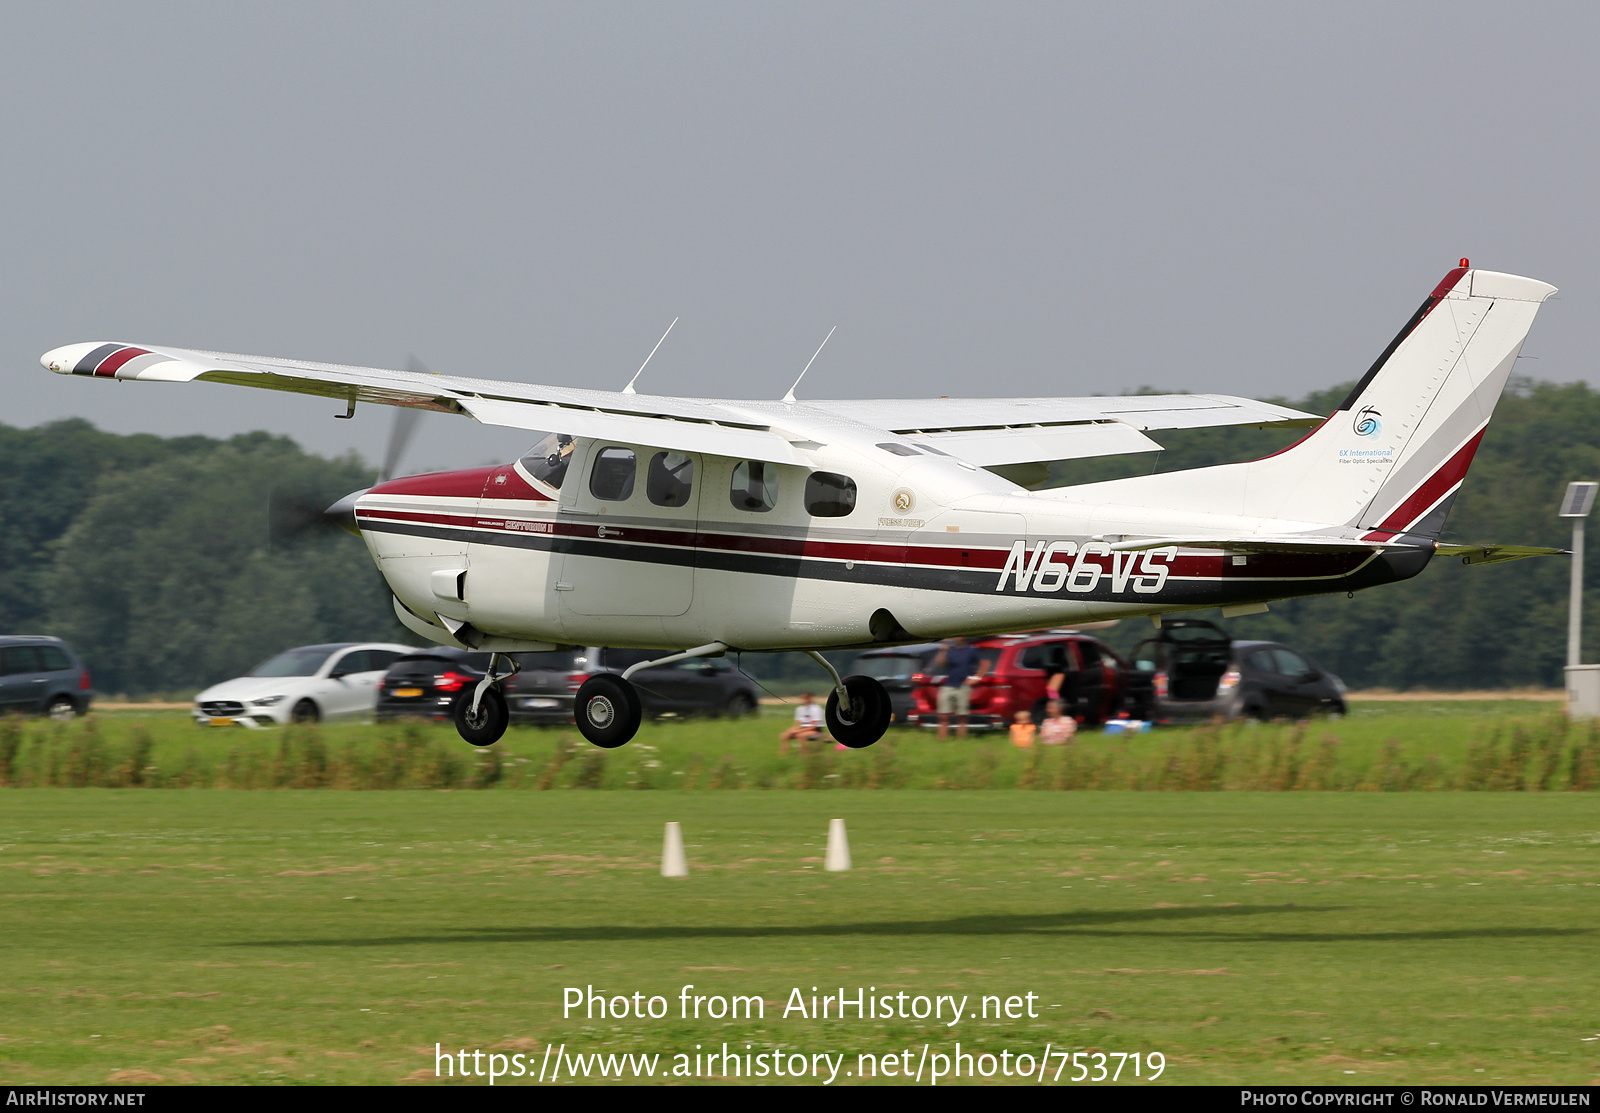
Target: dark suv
(428,683)
(542,692)
(41,676)
(1199,672)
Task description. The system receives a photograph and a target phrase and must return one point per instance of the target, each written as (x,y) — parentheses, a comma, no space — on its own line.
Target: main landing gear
(608,711)
(858,710)
(607,708)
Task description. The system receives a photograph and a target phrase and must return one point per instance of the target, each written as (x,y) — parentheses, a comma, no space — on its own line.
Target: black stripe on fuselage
(1384,568)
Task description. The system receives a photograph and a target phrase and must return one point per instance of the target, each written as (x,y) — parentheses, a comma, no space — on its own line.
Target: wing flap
(671,433)
(1141,411)
(1026,444)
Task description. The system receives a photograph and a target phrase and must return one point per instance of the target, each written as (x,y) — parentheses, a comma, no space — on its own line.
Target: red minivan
(1096,682)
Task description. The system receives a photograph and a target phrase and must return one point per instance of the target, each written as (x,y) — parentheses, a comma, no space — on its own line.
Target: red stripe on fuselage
(1435,488)
(499,482)
(109,365)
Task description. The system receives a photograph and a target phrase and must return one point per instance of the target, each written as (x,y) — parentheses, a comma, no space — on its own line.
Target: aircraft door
(628,523)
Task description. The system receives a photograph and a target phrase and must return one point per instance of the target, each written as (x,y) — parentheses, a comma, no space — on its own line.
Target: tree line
(158,559)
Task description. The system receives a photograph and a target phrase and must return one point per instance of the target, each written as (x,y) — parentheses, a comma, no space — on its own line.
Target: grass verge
(1248,937)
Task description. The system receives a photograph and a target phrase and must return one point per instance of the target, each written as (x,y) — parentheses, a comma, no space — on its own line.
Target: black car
(1200,672)
(543,691)
(895,668)
(428,683)
(42,676)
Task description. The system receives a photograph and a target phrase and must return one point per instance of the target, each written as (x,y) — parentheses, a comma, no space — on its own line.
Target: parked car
(901,670)
(1199,672)
(303,685)
(42,676)
(427,683)
(1096,682)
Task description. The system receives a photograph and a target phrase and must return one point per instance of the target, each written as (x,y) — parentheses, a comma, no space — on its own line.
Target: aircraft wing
(982,431)
(993,431)
(685,424)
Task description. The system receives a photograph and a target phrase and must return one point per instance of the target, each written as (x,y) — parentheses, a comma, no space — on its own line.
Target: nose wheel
(481,714)
(862,721)
(482,725)
(607,710)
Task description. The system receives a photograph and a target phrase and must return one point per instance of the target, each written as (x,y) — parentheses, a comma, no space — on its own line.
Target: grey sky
(985,199)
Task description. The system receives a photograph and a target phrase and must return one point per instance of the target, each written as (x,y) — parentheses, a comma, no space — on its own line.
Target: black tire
(486,727)
(607,710)
(870,712)
(305,712)
(739,705)
(61,709)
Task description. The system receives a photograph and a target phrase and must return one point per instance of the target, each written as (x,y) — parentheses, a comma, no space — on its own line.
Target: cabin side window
(755,486)
(829,494)
(671,479)
(547,461)
(611,478)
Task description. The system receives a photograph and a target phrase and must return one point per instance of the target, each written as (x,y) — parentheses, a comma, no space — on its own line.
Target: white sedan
(304,685)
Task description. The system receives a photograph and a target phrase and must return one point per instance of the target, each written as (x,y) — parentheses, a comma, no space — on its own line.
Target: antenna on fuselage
(629,388)
(790,396)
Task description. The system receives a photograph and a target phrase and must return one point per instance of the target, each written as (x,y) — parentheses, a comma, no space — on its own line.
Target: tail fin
(1389,461)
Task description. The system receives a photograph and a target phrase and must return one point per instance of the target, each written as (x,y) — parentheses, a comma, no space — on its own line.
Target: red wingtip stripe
(108,366)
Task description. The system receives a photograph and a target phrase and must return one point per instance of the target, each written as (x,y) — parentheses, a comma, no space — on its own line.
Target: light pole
(1583,681)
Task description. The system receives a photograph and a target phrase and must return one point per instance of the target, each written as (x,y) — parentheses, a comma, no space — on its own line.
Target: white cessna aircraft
(695,526)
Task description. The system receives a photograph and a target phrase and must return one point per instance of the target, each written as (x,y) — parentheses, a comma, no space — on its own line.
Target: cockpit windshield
(547,461)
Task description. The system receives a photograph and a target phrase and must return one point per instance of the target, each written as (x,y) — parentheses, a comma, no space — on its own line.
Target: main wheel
(304,712)
(607,710)
(61,709)
(486,726)
(864,721)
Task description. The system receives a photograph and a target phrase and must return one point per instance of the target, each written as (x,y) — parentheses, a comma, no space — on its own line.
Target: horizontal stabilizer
(1496,554)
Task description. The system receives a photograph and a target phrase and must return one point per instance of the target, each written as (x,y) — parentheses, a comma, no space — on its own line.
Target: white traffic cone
(838,857)
(673,862)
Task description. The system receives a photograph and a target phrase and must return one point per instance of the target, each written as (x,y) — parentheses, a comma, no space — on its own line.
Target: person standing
(962,667)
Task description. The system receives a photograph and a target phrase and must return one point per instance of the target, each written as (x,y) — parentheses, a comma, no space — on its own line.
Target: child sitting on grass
(1057,727)
(1023,730)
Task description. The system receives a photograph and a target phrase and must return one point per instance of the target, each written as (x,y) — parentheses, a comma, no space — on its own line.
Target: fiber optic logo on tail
(1367,423)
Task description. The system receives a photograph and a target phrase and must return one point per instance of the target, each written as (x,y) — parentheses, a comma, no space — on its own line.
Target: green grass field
(1505,744)
(326,937)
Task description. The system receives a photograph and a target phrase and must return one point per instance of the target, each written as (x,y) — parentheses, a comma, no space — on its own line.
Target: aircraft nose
(343,512)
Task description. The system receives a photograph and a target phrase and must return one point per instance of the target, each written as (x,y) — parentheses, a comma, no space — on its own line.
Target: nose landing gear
(482,717)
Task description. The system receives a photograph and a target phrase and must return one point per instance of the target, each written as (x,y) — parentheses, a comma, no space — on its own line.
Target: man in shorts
(961,666)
